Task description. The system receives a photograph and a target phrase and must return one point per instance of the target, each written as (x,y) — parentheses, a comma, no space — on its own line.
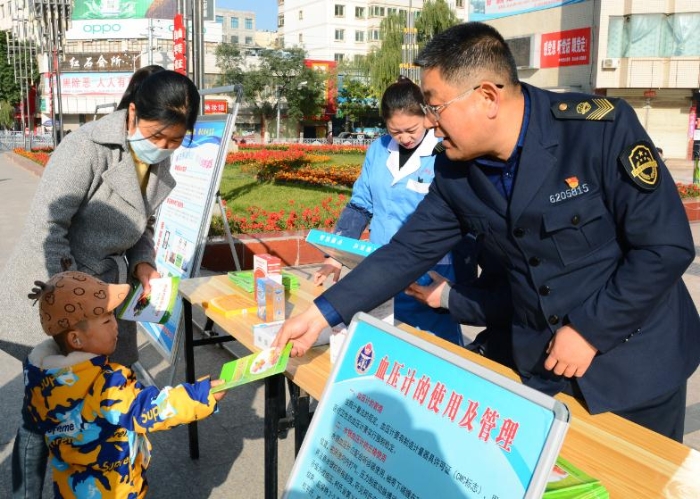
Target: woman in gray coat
(95,205)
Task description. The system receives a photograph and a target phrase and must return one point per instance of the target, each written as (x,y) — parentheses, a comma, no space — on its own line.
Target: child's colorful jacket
(95,417)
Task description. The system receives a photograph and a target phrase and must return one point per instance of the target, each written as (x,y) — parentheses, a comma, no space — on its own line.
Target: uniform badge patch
(641,164)
(572,182)
(593,109)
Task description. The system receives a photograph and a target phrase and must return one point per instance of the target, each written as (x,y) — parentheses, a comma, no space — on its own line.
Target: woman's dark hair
(402,95)
(135,82)
(168,98)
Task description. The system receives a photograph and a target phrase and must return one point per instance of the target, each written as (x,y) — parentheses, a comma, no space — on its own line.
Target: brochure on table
(400,415)
(182,223)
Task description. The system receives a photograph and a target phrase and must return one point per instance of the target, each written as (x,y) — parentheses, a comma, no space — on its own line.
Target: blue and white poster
(182,224)
(401,417)
(484,10)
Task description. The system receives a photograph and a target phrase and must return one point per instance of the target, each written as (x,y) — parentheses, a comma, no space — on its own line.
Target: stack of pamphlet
(230,305)
(346,250)
(244,280)
(566,481)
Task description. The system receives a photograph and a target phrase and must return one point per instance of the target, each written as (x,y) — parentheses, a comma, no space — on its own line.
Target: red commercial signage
(215,106)
(566,48)
(179,45)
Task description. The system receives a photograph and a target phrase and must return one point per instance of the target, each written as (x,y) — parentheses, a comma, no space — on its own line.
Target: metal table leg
(189,374)
(275,401)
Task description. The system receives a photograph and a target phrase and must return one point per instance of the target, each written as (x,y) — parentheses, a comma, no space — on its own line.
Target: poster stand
(182,221)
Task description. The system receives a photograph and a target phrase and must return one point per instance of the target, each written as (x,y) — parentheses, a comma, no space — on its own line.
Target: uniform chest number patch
(641,164)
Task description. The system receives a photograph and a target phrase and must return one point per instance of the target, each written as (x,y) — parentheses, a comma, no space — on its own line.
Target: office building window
(248,23)
(301,15)
(234,39)
(280,21)
(340,34)
(301,38)
(337,57)
(360,12)
(339,10)
(220,19)
(459,4)
(234,22)
(359,36)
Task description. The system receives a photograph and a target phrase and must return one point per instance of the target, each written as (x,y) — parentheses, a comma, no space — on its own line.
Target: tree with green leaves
(280,78)
(356,103)
(434,17)
(10,93)
(384,61)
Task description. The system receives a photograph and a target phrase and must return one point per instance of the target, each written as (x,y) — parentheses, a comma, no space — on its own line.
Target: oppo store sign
(96,29)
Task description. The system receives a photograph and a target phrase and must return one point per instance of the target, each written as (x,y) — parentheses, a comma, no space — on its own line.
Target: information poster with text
(183,219)
(401,417)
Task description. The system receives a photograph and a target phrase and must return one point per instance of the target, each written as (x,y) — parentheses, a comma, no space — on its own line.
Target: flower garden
(287,187)
(279,187)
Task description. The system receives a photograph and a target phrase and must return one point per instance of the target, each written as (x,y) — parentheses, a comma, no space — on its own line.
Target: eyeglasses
(433,112)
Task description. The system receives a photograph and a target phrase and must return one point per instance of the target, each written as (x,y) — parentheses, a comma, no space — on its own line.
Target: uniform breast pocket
(419,187)
(579,228)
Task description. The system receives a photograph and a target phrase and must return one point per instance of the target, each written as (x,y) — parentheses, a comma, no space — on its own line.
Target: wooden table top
(631,461)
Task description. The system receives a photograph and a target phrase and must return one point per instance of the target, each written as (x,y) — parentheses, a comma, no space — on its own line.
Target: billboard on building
(118,29)
(124,9)
(565,48)
(94,84)
(484,10)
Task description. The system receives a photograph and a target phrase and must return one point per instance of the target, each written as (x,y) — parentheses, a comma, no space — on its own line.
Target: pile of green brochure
(568,482)
(244,280)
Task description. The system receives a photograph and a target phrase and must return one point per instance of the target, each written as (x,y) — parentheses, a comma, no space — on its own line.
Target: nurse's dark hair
(168,98)
(135,82)
(467,51)
(402,95)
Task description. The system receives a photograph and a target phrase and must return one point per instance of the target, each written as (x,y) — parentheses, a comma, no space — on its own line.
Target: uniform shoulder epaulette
(438,149)
(593,109)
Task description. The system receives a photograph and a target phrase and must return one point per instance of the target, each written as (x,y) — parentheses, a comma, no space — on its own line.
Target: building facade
(645,51)
(336,30)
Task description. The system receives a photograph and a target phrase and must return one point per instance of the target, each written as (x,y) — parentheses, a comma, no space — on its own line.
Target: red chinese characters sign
(566,48)
(179,45)
(215,106)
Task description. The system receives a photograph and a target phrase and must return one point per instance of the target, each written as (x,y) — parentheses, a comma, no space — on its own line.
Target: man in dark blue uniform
(571,203)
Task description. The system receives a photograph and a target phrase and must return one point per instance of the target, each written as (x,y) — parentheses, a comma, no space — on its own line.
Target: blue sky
(265,11)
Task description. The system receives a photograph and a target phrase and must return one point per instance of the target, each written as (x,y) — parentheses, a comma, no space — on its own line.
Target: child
(93,413)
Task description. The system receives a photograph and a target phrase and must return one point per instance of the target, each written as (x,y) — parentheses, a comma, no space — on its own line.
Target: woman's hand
(329,267)
(144,273)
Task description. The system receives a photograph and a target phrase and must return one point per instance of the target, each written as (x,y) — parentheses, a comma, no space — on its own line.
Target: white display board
(183,220)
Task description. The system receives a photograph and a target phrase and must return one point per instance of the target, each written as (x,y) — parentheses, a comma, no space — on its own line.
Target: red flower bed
(296,218)
(40,156)
(688,190)
(294,164)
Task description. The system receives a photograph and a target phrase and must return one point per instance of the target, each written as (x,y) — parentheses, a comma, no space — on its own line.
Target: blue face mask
(147,151)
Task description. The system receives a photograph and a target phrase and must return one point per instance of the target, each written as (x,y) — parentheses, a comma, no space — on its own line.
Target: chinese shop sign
(565,48)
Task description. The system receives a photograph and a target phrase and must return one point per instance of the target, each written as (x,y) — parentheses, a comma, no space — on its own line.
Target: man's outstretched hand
(302,330)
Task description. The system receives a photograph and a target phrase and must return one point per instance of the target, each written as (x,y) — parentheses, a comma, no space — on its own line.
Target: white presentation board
(402,417)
